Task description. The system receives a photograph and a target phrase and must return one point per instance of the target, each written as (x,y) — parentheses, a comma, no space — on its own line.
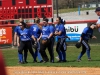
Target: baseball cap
(97,9)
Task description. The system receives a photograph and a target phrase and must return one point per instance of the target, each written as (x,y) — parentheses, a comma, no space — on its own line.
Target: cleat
(41,61)
(64,61)
(89,59)
(35,61)
(59,61)
(57,58)
(20,62)
(78,60)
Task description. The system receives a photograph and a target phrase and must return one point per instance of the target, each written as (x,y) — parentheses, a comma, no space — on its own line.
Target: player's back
(36,31)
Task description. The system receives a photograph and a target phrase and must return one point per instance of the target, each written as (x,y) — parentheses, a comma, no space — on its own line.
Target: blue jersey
(61,28)
(16,29)
(88,32)
(35,31)
(46,31)
(24,34)
(52,28)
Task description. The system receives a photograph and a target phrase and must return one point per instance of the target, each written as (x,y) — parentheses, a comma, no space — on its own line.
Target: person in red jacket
(2,65)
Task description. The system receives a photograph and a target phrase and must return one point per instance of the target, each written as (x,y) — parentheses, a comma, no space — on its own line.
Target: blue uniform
(24,34)
(60,48)
(86,35)
(88,32)
(36,31)
(25,42)
(25,50)
(51,44)
(46,31)
(52,28)
(61,28)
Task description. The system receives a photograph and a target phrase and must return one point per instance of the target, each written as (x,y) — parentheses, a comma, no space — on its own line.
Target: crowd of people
(39,38)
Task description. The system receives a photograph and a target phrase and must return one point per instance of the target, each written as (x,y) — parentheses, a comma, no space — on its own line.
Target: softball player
(47,34)
(60,33)
(51,42)
(25,41)
(15,42)
(85,36)
(36,32)
(64,45)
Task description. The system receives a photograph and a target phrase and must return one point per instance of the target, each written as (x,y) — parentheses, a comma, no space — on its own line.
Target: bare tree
(69,3)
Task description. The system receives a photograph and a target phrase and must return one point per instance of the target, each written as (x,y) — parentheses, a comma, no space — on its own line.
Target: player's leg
(50,49)
(63,49)
(38,53)
(25,54)
(43,53)
(20,50)
(58,49)
(29,46)
(34,47)
(63,53)
(83,51)
(87,49)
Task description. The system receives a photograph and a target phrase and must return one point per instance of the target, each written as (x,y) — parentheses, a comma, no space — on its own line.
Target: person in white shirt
(97,11)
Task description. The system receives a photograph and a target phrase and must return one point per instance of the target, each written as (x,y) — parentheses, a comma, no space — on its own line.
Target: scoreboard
(14,9)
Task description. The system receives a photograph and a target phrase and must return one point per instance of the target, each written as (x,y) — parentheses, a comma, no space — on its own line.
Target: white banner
(74,31)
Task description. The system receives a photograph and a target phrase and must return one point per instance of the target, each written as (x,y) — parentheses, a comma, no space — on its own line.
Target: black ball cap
(97,9)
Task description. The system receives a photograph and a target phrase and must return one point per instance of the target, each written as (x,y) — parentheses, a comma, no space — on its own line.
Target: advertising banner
(74,31)
(5,35)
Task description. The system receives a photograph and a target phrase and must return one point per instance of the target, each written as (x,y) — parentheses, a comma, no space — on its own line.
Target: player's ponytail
(62,21)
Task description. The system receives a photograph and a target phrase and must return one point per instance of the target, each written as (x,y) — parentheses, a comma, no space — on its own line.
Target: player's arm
(80,39)
(67,37)
(18,40)
(94,37)
(15,38)
(33,37)
(97,26)
(58,33)
(51,32)
(60,30)
(39,37)
(83,34)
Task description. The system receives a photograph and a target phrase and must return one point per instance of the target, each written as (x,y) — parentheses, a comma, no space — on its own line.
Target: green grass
(11,58)
(72,10)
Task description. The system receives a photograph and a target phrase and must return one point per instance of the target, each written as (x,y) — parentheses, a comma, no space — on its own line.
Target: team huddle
(42,38)
(39,38)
